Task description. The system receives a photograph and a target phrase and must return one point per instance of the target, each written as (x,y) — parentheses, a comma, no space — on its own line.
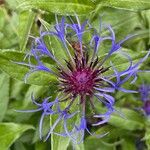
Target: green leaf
(79,146)
(16,89)
(9,132)
(131,121)
(126,4)
(62,7)
(11,4)
(128,143)
(2,18)
(17,56)
(9,31)
(19,71)
(19,146)
(58,142)
(145,15)
(4,94)
(108,142)
(122,24)
(147,138)
(41,145)
(98,144)
(26,19)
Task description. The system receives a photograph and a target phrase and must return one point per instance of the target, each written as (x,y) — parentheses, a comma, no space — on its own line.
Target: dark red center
(81,81)
(82,76)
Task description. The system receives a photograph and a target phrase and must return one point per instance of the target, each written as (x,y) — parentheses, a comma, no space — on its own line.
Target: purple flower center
(81,77)
(82,81)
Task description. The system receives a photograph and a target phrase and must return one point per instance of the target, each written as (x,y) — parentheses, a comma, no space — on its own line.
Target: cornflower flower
(82,76)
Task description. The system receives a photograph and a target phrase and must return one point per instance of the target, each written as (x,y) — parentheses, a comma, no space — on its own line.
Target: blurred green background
(21,18)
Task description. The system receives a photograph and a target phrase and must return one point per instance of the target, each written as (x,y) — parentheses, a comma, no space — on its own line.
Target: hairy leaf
(8,64)
(131,120)
(4,94)
(26,20)
(56,6)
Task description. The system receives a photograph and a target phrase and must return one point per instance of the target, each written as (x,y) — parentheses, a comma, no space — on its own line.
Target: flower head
(82,75)
(144,91)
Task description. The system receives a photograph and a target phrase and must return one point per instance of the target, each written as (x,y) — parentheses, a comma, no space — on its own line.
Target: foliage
(19,21)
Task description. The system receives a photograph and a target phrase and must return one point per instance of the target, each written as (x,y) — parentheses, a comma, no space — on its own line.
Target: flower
(144,91)
(82,75)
